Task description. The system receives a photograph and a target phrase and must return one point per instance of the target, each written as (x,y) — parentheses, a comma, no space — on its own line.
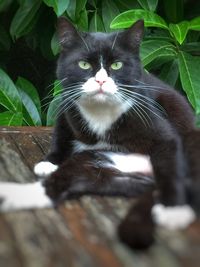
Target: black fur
(170,138)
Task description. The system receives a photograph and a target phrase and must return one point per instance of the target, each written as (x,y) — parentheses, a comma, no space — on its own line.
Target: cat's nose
(100,82)
(101,76)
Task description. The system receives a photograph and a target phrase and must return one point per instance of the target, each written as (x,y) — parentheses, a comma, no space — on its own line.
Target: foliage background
(29,48)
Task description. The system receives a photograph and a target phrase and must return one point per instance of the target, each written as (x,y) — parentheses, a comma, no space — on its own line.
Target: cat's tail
(137,228)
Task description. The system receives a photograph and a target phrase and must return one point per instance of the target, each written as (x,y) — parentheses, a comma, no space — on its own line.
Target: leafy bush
(29,48)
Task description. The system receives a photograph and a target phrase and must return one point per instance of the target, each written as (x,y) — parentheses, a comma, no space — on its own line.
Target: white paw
(45,168)
(177,217)
(16,196)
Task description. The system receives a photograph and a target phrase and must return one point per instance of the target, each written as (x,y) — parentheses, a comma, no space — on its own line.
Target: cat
(122,131)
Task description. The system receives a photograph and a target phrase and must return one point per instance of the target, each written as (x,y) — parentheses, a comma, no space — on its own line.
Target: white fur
(100,107)
(16,196)
(79,146)
(178,217)
(45,168)
(101,76)
(130,163)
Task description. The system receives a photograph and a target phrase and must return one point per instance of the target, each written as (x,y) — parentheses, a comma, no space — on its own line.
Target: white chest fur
(101,117)
(101,104)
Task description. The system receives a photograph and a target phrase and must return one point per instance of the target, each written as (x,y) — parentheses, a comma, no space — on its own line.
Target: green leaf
(9,118)
(9,96)
(80,6)
(57,88)
(190,78)
(4,4)
(28,88)
(173,10)
(109,12)
(148,4)
(71,9)
(125,5)
(55,46)
(53,110)
(24,19)
(179,31)
(59,6)
(191,47)
(195,24)
(5,39)
(96,24)
(33,117)
(152,49)
(82,22)
(170,72)
(126,19)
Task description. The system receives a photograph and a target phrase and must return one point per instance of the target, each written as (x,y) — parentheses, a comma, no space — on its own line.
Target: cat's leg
(96,173)
(15,196)
(137,228)
(170,171)
(61,148)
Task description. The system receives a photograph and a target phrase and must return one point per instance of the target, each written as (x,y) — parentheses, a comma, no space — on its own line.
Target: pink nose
(100,82)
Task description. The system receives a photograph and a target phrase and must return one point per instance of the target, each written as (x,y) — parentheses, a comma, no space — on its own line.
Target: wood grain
(80,233)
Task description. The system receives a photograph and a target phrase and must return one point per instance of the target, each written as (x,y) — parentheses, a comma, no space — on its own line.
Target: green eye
(84,65)
(116,65)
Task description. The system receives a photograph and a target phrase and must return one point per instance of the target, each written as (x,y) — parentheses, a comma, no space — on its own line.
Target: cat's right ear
(67,33)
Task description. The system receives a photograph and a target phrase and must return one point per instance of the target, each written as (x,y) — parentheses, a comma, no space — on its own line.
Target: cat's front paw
(177,217)
(44,168)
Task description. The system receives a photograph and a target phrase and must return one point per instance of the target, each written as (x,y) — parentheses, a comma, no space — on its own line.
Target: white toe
(45,168)
(177,217)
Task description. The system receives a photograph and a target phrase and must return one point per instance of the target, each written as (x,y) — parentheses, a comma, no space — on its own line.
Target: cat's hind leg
(99,173)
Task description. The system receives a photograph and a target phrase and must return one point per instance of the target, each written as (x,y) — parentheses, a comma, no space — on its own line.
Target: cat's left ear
(67,33)
(135,33)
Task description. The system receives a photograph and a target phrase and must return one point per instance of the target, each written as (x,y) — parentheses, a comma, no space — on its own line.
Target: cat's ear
(135,33)
(67,33)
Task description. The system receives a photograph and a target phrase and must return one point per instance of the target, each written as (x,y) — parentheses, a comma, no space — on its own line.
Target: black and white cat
(119,131)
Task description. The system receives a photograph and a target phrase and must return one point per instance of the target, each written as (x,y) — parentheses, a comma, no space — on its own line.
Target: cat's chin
(102,98)
(98,98)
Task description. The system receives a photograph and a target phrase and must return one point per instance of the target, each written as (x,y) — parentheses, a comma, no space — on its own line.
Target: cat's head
(93,67)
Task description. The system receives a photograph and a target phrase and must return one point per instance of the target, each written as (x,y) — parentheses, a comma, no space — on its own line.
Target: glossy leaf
(53,110)
(80,6)
(179,30)
(96,24)
(59,6)
(9,118)
(24,18)
(31,116)
(9,96)
(109,12)
(170,72)
(83,21)
(148,4)
(30,90)
(153,49)
(190,78)
(126,19)
(125,5)
(71,9)
(55,46)
(195,24)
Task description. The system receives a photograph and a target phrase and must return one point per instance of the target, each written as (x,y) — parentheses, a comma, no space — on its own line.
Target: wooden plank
(11,166)
(87,236)
(80,233)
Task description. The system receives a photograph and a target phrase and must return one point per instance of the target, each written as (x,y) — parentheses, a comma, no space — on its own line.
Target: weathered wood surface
(80,233)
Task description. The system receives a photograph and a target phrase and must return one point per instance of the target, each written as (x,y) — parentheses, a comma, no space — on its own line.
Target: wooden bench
(79,233)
